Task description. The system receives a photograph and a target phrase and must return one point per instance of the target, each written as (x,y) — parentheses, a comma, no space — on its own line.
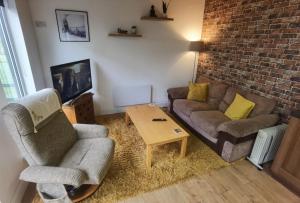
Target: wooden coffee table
(155,133)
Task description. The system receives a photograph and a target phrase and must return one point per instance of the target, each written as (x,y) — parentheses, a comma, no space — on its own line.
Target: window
(10,79)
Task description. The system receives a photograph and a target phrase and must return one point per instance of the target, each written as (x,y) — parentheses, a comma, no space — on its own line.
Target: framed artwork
(73,26)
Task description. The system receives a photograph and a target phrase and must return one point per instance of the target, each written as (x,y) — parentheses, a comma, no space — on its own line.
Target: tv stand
(80,109)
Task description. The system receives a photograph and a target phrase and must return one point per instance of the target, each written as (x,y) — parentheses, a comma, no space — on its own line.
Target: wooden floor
(240,183)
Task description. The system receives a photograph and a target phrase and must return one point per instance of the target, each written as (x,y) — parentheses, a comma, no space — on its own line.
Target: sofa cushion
(208,121)
(229,97)
(198,91)
(188,106)
(239,108)
(184,117)
(263,105)
(216,92)
(203,79)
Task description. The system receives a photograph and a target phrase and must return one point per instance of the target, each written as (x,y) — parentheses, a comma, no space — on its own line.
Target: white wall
(25,44)
(31,43)
(11,164)
(11,161)
(159,58)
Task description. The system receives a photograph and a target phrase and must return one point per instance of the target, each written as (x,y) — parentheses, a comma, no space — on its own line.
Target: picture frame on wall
(73,26)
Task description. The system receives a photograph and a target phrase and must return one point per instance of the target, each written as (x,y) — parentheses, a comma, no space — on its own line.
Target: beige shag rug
(128,176)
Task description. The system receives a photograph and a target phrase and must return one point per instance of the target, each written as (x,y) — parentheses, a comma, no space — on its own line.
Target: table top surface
(154,132)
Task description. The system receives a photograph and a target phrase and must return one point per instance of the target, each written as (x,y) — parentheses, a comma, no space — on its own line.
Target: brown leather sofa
(232,140)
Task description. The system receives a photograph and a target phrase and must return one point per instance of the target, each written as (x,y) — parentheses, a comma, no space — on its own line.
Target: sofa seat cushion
(184,117)
(208,121)
(186,107)
(92,156)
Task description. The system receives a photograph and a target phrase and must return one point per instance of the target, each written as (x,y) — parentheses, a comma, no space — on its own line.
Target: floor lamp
(196,46)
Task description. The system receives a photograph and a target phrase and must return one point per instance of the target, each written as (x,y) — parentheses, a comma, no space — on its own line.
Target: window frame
(9,49)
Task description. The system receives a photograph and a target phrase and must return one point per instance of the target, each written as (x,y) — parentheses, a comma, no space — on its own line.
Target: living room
(150,101)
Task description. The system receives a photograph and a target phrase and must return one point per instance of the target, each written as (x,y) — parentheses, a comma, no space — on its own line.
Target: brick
(291,51)
(294,25)
(255,45)
(289,35)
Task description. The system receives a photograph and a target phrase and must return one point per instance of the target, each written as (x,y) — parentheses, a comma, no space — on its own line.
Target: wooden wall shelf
(157,18)
(123,35)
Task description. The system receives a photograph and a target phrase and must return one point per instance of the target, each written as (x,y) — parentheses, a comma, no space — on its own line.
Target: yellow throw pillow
(240,108)
(198,91)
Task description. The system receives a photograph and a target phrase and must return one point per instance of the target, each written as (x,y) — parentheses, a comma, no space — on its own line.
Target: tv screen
(72,79)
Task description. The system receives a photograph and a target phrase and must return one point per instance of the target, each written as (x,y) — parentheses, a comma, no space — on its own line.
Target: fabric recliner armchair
(57,151)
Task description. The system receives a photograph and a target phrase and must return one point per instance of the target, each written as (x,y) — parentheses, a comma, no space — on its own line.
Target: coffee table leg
(127,119)
(183,147)
(149,156)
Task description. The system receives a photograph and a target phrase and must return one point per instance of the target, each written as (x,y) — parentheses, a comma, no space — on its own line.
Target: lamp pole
(195,69)
(196,46)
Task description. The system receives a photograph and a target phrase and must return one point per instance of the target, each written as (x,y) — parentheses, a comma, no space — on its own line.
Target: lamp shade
(196,46)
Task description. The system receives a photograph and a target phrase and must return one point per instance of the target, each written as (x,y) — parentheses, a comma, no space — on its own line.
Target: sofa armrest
(86,131)
(178,92)
(245,127)
(53,175)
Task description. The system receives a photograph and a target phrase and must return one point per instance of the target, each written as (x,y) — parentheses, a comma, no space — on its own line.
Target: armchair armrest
(86,131)
(53,175)
(178,93)
(245,127)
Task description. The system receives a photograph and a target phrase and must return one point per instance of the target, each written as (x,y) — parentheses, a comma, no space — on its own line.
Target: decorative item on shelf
(165,7)
(125,33)
(152,12)
(133,30)
(196,46)
(121,31)
(163,17)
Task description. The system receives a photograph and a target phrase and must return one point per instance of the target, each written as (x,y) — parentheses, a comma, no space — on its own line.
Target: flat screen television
(72,79)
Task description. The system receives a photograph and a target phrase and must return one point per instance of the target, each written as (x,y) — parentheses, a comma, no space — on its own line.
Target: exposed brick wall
(255,45)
